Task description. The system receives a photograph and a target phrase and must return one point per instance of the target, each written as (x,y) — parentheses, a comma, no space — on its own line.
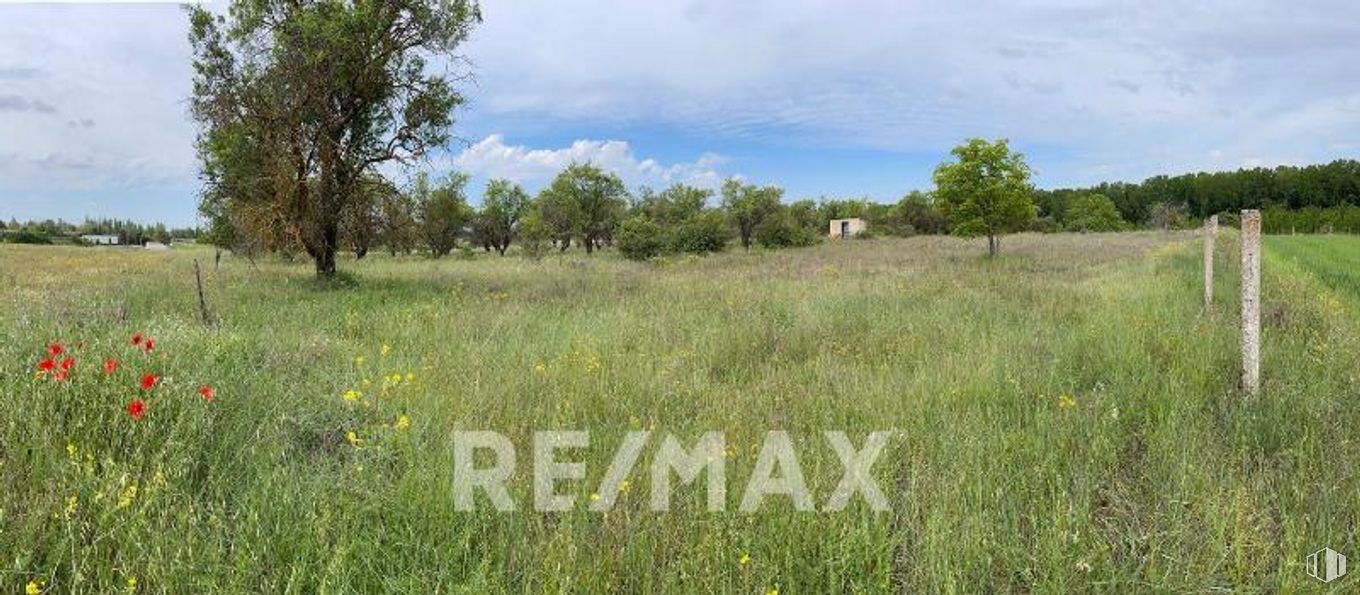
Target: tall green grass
(1066,419)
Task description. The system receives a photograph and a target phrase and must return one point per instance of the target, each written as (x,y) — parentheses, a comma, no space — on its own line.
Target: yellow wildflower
(72,451)
(352,395)
(385,350)
(352,438)
(402,422)
(34,587)
(540,368)
(594,497)
(773,591)
(358,360)
(1066,401)
(72,504)
(129,494)
(745,559)
(131,584)
(410,378)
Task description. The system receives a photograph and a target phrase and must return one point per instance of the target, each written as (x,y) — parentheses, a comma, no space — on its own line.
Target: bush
(1093,212)
(781,231)
(701,234)
(639,239)
(28,236)
(534,235)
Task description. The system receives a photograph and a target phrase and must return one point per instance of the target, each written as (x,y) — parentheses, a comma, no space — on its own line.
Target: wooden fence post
(1210,231)
(202,302)
(1251,301)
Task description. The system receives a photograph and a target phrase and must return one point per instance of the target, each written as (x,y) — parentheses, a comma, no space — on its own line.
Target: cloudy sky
(826,98)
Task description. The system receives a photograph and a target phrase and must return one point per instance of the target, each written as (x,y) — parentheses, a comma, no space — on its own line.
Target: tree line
(50,231)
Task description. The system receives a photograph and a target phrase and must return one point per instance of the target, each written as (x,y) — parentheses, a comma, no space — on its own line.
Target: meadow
(1065,418)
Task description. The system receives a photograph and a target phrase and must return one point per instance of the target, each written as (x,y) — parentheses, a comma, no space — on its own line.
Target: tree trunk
(360,252)
(590,245)
(325,253)
(993,245)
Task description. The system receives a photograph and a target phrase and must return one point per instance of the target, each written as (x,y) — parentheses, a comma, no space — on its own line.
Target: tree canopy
(986,191)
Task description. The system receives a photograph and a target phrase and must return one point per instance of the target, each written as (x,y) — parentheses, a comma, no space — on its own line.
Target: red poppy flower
(137,409)
(67,363)
(55,349)
(149,344)
(47,364)
(59,376)
(110,366)
(136,338)
(206,391)
(148,381)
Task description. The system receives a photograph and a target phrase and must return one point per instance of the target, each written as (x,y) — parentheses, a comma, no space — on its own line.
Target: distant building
(155,246)
(846,228)
(100,240)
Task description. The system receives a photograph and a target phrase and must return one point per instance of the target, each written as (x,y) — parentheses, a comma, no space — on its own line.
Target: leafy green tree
(1093,212)
(597,198)
(916,214)
(701,233)
(560,215)
(534,234)
(986,191)
(747,205)
(503,204)
(444,211)
(299,101)
(640,238)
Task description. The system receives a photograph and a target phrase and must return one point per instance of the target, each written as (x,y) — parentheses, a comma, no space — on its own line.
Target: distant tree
(778,229)
(1093,212)
(443,211)
(503,204)
(362,223)
(534,235)
(747,205)
(299,101)
(560,215)
(398,222)
(701,233)
(639,238)
(1166,216)
(591,199)
(916,214)
(986,191)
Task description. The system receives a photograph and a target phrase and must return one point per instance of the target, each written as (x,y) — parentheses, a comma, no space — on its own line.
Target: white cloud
(493,158)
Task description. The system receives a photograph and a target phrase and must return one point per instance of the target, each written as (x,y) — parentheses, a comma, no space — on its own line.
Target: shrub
(1093,212)
(781,231)
(639,239)
(701,234)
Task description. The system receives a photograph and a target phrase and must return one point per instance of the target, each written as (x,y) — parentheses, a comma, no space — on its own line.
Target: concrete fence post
(1251,301)
(1210,231)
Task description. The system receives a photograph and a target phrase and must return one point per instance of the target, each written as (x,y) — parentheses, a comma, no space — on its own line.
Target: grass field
(1066,419)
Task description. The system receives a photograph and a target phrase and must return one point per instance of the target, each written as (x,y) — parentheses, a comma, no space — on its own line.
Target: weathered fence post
(1210,231)
(202,302)
(1251,301)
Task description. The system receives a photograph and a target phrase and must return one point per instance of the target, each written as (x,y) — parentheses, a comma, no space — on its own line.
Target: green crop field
(1065,418)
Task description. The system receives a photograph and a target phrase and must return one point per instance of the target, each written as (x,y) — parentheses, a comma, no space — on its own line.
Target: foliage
(1092,212)
(503,204)
(1342,219)
(748,205)
(584,201)
(640,239)
(700,233)
(986,191)
(780,230)
(443,211)
(300,102)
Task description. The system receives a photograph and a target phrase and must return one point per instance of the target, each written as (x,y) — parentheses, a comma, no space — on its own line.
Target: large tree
(503,205)
(986,191)
(748,205)
(298,101)
(597,199)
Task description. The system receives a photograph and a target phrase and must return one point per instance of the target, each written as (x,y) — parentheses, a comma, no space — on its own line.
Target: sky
(826,98)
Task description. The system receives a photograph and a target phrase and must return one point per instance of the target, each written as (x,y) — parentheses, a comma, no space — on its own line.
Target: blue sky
(825,98)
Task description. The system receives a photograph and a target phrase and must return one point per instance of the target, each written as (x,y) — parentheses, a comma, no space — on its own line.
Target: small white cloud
(493,158)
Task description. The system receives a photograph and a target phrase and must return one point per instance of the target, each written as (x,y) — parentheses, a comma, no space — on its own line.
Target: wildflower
(410,378)
(67,363)
(594,497)
(540,368)
(72,503)
(773,591)
(46,365)
(137,409)
(402,422)
(352,438)
(358,360)
(148,381)
(127,496)
(1066,401)
(745,559)
(110,366)
(132,584)
(352,395)
(1084,566)
(55,349)
(207,392)
(34,587)
(71,451)
(148,345)
(59,376)
(136,338)
(386,349)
